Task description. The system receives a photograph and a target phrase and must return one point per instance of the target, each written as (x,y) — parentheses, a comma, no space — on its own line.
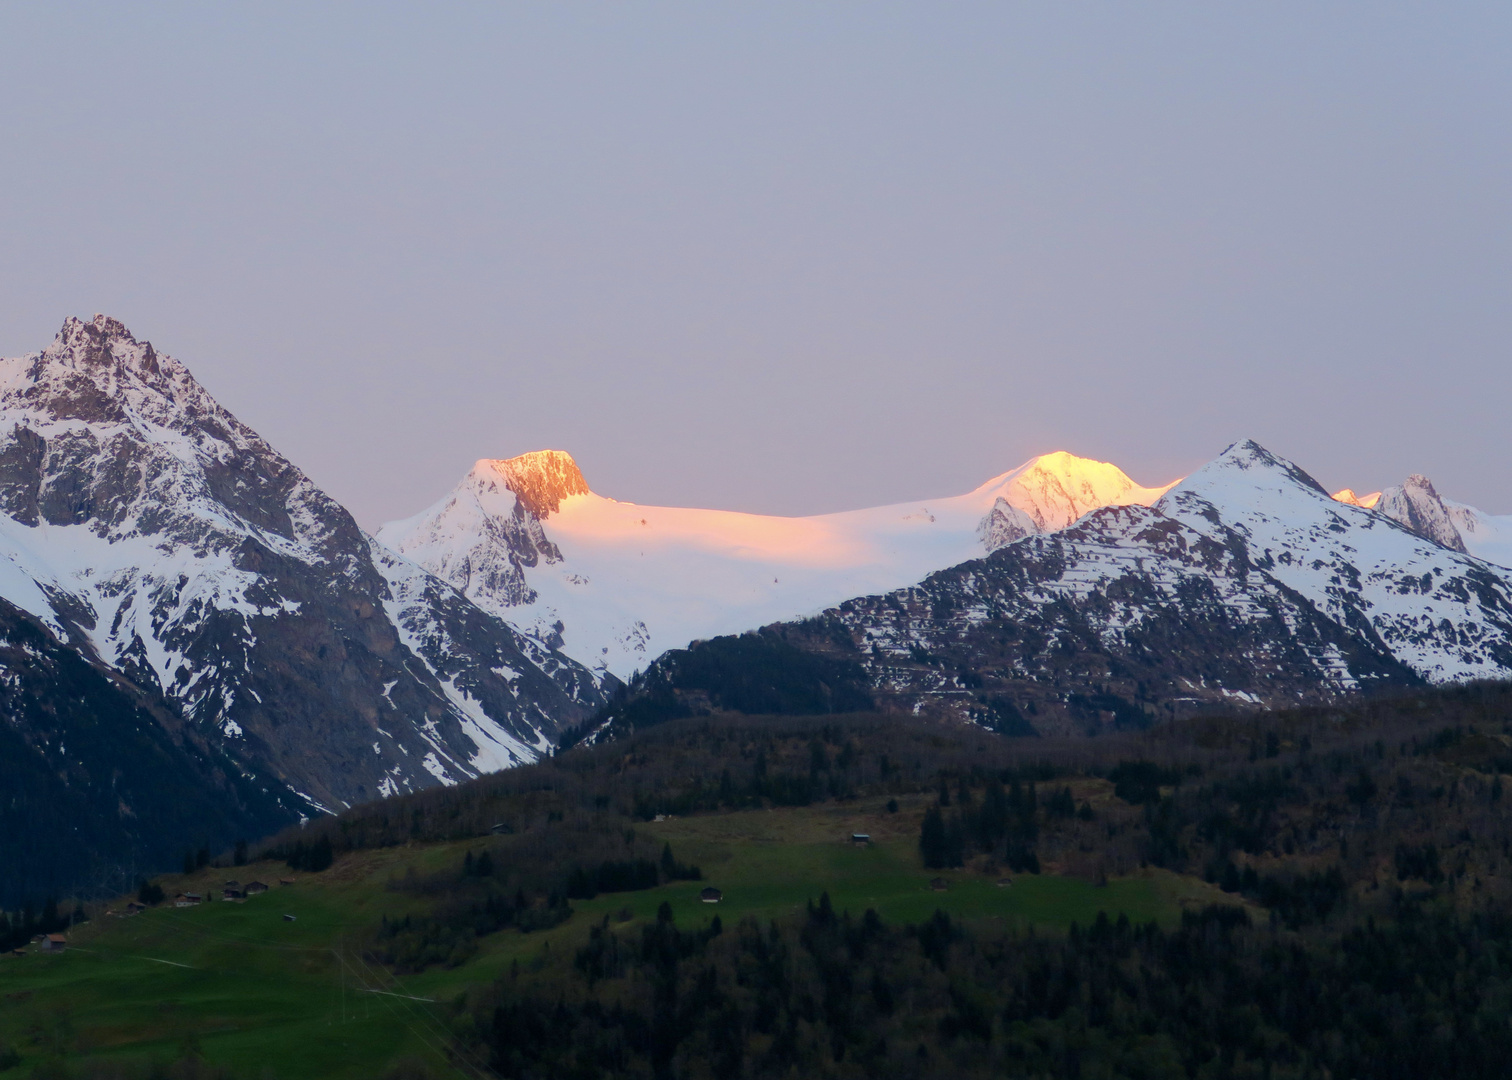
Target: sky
(784,257)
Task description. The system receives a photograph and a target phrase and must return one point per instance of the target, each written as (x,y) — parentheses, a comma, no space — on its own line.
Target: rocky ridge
(1246,584)
(146,526)
(1417,506)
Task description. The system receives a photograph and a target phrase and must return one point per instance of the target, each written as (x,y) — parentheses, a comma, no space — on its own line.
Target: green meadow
(268,997)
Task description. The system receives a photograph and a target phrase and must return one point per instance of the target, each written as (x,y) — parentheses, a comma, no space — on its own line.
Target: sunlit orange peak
(1347,495)
(541,479)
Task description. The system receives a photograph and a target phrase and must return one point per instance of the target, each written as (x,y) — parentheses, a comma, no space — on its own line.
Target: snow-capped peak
(1417,506)
(1348,497)
(1359,567)
(1055,489)
(147,526)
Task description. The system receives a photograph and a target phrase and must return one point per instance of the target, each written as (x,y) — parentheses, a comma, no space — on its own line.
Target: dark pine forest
(1364,854)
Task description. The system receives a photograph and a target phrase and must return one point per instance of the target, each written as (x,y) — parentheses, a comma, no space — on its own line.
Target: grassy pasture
(271,998)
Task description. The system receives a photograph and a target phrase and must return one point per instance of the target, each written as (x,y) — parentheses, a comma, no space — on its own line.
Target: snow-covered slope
(1486,536)
(1416,505)
(1244,583)
(1443,613)
(146,525)
(616,584)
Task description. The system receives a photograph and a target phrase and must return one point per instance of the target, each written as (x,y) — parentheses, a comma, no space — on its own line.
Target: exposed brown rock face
(541,479)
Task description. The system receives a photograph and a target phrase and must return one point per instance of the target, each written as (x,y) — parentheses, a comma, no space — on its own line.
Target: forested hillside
(1367,854)
(1315,893)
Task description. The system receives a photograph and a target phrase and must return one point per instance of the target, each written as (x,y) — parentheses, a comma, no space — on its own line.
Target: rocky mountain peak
(98,372)
(1004,524)
(102,345)
(541,479)
(106,431)
(1246,471)
(144,524)
(1415,505)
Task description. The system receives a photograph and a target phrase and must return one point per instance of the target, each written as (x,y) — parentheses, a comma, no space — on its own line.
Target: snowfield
(621,583)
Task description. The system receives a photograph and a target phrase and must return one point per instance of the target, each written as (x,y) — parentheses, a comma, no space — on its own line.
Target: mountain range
(162,541)
(615,584)
(257,649)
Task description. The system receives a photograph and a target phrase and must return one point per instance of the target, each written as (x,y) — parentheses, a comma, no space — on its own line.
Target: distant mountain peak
(1349,498)
(1057,488)
(1248,454)
(540,479)
(105,343)
(1245,466)
(1415,505)
(100,329)
(1004,524)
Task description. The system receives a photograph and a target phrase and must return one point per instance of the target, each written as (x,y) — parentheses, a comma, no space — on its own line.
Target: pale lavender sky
(785,257)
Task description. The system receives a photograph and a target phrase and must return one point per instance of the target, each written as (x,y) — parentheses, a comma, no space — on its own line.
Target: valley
(450,923)
(259,995)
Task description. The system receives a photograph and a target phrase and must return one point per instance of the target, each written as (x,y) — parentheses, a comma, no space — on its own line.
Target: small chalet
(187,899)
(252,888)
(711,895)
(1004,882)
(135,908)
(233,894)
(939,884)
(501,829)
(286,881)
(860,838)
(54,943)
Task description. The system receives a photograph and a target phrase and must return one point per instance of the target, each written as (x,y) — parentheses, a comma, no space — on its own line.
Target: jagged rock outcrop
(541,479)
(156,533)
(1417,506)
(1004,524)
